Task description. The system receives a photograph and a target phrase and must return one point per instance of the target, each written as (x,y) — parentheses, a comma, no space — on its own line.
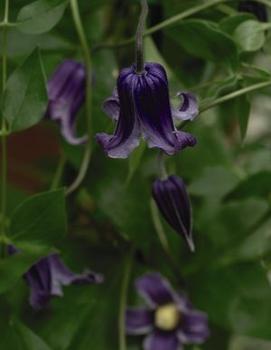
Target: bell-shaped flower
(173,202)
(47,277)
(141,107)
(66,93)
(169,321)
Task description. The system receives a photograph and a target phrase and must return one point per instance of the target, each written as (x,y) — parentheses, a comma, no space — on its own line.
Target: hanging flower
(47,277)
(256,8)
(173,201)
(141,107)
(169,320)
(66,93)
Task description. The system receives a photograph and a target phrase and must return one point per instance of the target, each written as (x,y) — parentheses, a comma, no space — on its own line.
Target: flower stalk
(139,37)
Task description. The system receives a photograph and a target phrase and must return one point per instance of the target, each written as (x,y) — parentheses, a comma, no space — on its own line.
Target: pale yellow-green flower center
(167,317)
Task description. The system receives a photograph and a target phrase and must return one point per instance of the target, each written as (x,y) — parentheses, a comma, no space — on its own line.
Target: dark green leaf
(40,218)
(25,97)
(40,16)
(229,24)
(203,39)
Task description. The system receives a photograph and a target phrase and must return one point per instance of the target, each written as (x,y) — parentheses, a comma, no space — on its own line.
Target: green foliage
(25,96)
(40,16)
(40,219)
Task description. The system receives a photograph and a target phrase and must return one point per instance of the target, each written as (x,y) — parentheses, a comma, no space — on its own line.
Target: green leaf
(25,96)
(40,16)
(40,218)
(13,267)
(205,40)
(214,182)
(250,35)
(229,24)
(256,185)
(18,336)
(237,298)
(242,110)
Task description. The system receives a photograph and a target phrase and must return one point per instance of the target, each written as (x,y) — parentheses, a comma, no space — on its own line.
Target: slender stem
(123,300)
(86,51)
(139,37)
(3,129)
(59,172)
(161,165)
(235,94)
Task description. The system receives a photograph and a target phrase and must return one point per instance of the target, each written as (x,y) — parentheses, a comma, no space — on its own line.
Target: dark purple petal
(151,99)
(173,201)
(141,106)
(189,107)
(162,341)
(194,328)
(155,289)
(111,105)
(47,276)
(127,132)
(66,93)
(139,321)
(256,8)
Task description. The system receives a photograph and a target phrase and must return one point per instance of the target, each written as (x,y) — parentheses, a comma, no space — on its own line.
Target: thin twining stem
(86,51)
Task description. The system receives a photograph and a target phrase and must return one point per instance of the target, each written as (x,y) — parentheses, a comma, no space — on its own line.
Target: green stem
(123,300)
(3,129)
(161,165)
(235,94)
(139,37)
(59,172)
(86,52)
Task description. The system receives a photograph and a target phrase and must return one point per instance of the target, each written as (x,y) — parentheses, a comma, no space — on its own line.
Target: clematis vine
(47,277)
(140,105)
(66,93)
(173,202)
(169,320)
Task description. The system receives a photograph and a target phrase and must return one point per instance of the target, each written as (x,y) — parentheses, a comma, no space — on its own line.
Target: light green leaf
(25,96)
(250,35)
(40,16)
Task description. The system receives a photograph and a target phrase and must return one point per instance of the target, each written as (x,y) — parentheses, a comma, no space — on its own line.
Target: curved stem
(139,37)
(86,52)
(123,300)
(59,172)
(236,94)
(3,129)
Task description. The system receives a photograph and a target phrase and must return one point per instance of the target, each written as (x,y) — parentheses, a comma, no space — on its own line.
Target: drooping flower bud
(173,201)
(66,93)
(141,107)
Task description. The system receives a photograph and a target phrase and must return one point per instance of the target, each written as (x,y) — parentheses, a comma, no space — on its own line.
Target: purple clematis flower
(141,106)
(169,321)
(47,277)
(256,8)
(173,201)
(66,93)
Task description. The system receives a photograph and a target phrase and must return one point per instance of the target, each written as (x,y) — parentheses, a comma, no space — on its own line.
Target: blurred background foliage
(212,53)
